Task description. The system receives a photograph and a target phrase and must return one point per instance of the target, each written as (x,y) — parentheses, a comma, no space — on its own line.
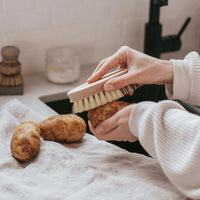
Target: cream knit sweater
(169,133)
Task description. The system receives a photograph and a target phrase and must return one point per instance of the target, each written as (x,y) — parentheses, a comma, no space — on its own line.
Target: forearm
(162,130)
(163,72)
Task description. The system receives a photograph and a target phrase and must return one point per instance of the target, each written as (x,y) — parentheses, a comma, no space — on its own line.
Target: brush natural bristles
(89,96)
(101,99)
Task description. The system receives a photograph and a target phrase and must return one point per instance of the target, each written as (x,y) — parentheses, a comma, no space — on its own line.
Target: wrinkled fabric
(88,169)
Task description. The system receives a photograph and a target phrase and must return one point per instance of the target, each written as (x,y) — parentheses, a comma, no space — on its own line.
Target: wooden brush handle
(10,65)
(85,90)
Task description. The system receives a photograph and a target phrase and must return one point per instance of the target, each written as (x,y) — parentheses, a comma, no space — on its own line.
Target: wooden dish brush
(10,67)
(88,96)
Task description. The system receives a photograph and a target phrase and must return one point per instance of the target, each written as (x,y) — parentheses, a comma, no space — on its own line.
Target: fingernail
(108,87)
(99,130)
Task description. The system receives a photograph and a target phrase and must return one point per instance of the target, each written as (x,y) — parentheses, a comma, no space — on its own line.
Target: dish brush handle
(86,90)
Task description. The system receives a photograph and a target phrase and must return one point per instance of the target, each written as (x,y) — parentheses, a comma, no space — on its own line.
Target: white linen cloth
(89,169)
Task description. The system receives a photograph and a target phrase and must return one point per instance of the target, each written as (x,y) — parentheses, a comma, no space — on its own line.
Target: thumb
(119,82)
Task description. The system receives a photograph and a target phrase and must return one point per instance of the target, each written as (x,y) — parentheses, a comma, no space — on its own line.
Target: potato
(63,128)
(25,143)
(99,114)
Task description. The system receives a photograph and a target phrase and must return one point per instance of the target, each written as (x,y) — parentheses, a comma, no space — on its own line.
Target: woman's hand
(115,128)
(142,69)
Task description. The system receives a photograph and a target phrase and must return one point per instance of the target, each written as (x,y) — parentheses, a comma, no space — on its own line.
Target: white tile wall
(1,5)
(132,30)
(95,28)
(19,6)
(35,20)
(2,41)
(8,23)
(55,3)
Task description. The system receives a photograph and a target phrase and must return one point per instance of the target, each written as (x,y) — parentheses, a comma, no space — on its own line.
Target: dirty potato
(63,128)
(99,114)
(25,143)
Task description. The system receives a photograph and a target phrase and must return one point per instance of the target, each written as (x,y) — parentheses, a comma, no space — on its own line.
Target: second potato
(63,128)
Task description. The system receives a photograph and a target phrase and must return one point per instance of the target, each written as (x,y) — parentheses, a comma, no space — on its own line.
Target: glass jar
(62,65)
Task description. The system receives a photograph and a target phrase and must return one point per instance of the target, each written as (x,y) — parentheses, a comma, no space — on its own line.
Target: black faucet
(155,44)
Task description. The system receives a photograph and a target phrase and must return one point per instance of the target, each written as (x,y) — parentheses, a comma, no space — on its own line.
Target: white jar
(62,65)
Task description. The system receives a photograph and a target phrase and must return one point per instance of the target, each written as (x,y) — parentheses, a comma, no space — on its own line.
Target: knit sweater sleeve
(169,133)
(186,81)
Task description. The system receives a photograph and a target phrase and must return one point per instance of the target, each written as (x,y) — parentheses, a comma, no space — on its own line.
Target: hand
(142,69)
(115,128)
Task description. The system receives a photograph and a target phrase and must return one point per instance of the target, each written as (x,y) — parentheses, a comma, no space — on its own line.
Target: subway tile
(9,23)
(121,11)
(1,6)
(181,8)
(57,3)
(104,50)
(32,62)
(41,40)
(79,38)
(171,28)
(85,13)
(91,12)
(108,39)
(25,21)
(129,9)
(35,20)
(193,5)
(89,2)
(190,40)
(87,54)
(65,16)
(13,7)
(2,41)
(133,28)
(140,8)
(107,32)
(133,34)
(194,23)
(102,11)
(134,43)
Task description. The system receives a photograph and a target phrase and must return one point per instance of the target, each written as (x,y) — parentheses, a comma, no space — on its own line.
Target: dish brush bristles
(101,98)
(88,96)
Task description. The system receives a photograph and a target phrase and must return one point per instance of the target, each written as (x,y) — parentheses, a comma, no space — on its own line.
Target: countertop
(37,90)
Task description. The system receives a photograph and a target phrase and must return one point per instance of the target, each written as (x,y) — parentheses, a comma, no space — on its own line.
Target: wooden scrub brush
(88,96)
(11,80)
(10,67)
